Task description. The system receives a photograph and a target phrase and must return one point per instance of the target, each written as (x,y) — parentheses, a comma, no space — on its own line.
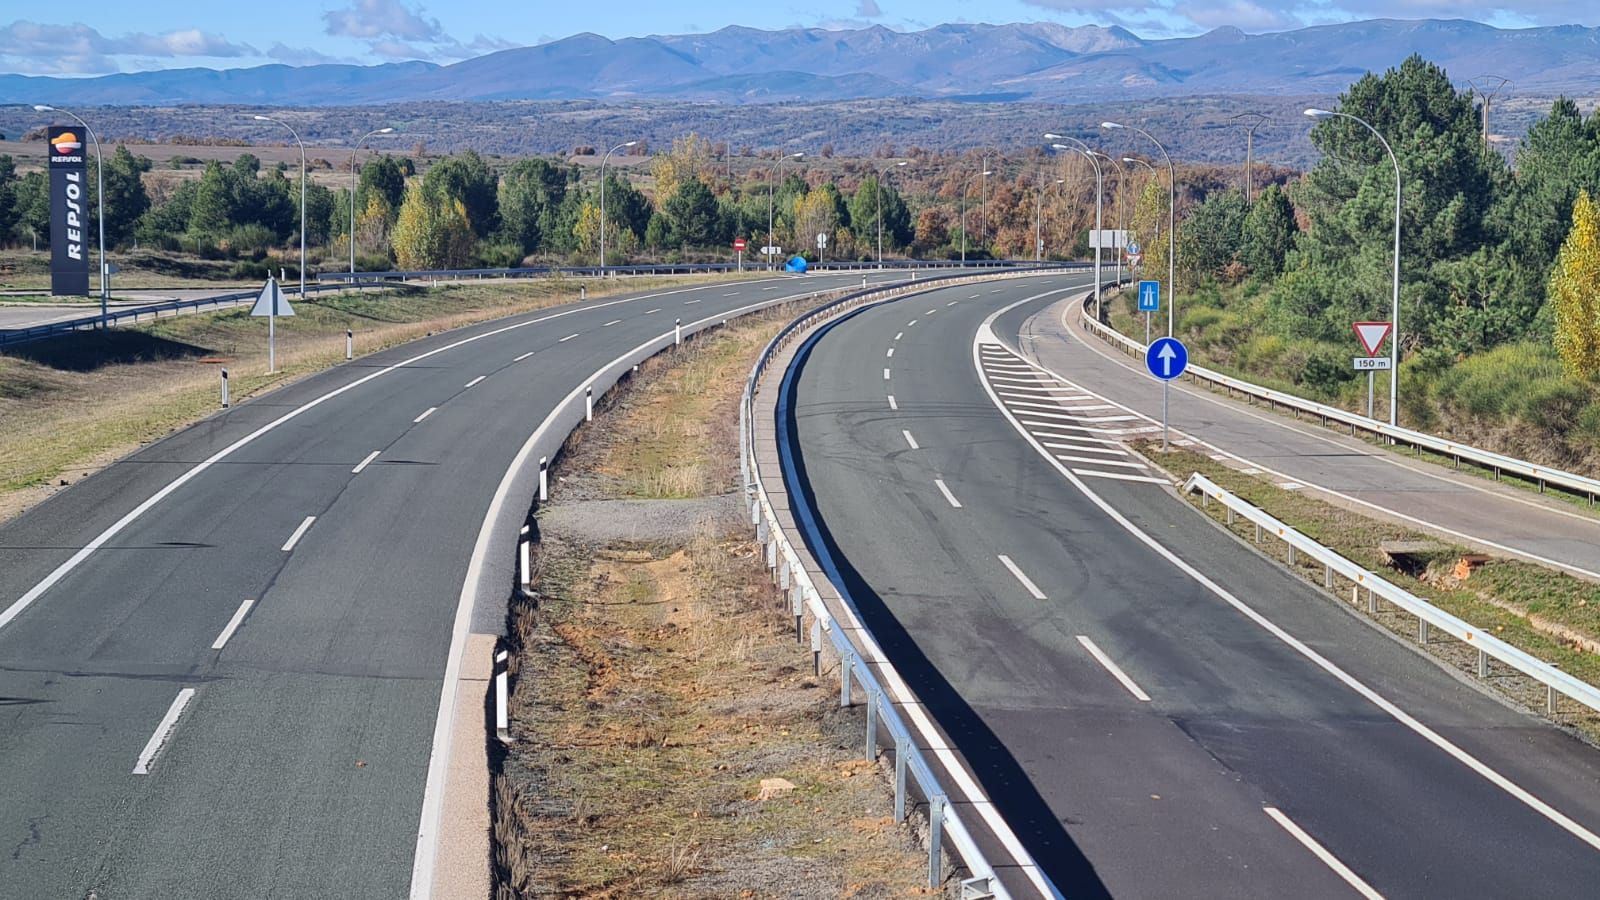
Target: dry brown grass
(657,685)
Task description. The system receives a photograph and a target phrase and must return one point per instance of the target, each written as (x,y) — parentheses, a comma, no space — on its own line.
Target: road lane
(297,768)
(1165,797)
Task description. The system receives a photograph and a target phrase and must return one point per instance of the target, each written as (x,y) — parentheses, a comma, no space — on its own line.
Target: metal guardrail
(671,269)
(152,311)
(1457,451)
(1428,615)
(790,572)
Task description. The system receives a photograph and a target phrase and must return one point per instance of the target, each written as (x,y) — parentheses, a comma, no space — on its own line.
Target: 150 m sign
(69,198)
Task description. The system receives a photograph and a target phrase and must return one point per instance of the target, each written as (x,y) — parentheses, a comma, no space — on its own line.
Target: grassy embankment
(1552,615)
(1513,399)
(665,684)
(71,405)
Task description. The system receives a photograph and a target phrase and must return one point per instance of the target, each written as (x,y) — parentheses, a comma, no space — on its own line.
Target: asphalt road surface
(1461,507)
(1157,710)
(221,659)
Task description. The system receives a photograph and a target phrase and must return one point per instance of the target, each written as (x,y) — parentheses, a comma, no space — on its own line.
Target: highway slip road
(1156,710)
(1459,506)
(222,659)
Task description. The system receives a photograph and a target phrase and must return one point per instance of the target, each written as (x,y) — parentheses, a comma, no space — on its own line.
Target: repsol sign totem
(69,216)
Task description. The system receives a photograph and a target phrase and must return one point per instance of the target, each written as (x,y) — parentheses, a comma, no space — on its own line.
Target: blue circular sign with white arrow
(1167,358)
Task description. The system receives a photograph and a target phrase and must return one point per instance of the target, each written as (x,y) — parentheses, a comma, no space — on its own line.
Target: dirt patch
(672,740)
(1549,614)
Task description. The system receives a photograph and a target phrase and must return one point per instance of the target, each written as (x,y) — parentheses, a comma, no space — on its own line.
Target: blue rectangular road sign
(1149,296)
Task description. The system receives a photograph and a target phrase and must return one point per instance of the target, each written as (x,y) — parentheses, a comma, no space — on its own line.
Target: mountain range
(1039,62)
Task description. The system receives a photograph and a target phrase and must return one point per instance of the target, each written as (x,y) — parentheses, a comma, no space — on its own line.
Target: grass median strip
(71,405)
(670,737)
(1549,614)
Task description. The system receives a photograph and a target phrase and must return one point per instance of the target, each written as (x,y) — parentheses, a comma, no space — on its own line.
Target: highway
(1154,708)
(1458,506)
(223,659)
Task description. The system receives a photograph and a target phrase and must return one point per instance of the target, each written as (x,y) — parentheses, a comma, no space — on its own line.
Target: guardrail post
(1483,664)
(816,646)
(224,388)
(873,699)
(935,839)
(1550,700)
(1291,554)
(1258,532)
(1327,577)
(899,779)
(1230,515)
(544,479)
(844,682)
(1372,602)
(797,607)
(1422,631)
(772,551)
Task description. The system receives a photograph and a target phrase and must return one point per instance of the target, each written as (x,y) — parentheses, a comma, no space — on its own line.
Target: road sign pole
(272,340)
(1370,375)
(1147,329)
(1166,387)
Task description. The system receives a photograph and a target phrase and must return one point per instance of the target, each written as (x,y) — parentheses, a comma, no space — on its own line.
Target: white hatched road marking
(1117,476)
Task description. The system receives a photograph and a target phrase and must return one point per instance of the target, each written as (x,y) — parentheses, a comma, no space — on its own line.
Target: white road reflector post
(677,332)
(224,388)
(349,345)
(524,563)
(588,404)
(502,717)
(544,478)
(583,292)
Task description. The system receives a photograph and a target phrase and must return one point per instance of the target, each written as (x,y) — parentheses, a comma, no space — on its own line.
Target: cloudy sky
(99,36)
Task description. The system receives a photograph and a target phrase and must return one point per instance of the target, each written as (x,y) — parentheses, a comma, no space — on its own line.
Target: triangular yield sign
(1371,335)
(271,302)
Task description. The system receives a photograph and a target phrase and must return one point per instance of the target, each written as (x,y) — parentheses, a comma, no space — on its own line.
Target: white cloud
(868,9)
(1150,17)
(79,49)
(379,19)
(303,56)
(1245,15)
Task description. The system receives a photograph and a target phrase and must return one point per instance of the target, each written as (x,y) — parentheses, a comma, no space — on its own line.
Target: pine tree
(1575,292)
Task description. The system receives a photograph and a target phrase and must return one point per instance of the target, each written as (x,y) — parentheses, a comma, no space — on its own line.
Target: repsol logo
(74,194)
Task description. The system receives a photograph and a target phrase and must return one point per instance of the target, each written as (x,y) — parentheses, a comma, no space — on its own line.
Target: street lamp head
(40,107)
(631,144)
(1059,147)
(796,155)
(384,130)
(262,118)
(1318,113)
(1129,159)
(902,163)
(1050,136)
(1112,125)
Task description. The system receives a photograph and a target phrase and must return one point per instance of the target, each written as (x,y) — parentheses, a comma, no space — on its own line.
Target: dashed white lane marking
(945,490)
(773,288)
(952,303)
(890,354)
(567,338)
(930,312)
(885,374)
(974,296)
(611,323)
(475,381)
(425,413)
(1115,670)
(997,290)
(652,311)
(1027,583)
(1102,462)
(523,356)
(365,462)
(734,294)
(893,405)
(163,729)
(911,323)
(693,302)
(233,624)
(1321,852)
(910,441)
(1118,476)
(298,534)
(899,334)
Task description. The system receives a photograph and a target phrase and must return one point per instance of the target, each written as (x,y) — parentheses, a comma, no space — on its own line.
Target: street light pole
(1172,220)
(302,195)
(353,152)
(1038,220)
(1394,336)
(966,187)
(1256,120)
(1099,203)
(603,201)
(100,203)
(1121,243)
(878,188)
(771,186)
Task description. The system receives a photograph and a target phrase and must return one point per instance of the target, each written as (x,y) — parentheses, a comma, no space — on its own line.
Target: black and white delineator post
(272,304)
(224,388)
(349,345)
(677,332)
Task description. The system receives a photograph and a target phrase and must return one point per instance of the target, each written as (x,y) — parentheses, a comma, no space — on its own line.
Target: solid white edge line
(147,756)
(1320,852)
(1027,582)
(298,534)
(429,820)
(365,462)
(1399,715)
(233,624)
(1115,670)
(72,562)
(474,382)
(943,489)
(425,413)
(909,439)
